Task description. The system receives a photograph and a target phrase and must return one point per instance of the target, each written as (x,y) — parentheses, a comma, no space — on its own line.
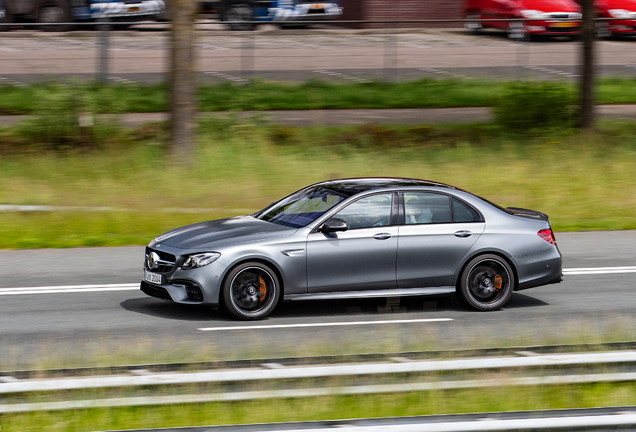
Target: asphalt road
(328,54)
(45,327)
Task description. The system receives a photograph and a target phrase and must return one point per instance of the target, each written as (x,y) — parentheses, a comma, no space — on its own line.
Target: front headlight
(620,13)
(200,260)
(532,14)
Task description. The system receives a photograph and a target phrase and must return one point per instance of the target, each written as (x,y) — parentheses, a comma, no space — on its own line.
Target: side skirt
(402,292)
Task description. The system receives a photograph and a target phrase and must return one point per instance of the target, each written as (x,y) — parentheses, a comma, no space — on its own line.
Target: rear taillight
(548,235)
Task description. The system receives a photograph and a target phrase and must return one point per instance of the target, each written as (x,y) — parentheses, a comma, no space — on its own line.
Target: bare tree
(586,120)
(182,80)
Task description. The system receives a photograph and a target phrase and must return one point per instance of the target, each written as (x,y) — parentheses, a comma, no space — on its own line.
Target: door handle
(463,233)
(382,236)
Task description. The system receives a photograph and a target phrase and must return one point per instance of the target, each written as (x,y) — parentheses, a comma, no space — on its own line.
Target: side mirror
(334,225)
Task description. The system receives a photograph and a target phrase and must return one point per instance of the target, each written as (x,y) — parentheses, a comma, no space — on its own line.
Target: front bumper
(305,12)
(553,28)
(195,286)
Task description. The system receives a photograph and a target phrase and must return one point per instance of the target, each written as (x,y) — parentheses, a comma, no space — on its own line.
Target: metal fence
(325,51)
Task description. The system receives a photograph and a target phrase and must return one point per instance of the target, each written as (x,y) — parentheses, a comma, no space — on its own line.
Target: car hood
(222,232)
(550,5)
(629,5)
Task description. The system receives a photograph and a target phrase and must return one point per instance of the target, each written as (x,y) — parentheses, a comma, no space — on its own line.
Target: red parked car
(625,9)
(549,17)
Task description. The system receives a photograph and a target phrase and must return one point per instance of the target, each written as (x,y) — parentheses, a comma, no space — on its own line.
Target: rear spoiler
(531,214)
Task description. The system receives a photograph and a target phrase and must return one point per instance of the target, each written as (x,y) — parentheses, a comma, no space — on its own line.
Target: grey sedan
(356,238)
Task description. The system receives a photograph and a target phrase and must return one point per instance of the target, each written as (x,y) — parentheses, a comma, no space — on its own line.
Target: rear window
(463,213)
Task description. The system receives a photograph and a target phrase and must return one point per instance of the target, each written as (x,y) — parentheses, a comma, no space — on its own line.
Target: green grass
(584,182)
(260,95)
(327,408)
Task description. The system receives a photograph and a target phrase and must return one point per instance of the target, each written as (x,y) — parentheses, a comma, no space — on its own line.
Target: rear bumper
(546,280)
(121,9)
(539,268)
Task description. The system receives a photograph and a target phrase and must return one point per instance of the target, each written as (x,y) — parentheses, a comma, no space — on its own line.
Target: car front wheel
(486,283)
(251,291)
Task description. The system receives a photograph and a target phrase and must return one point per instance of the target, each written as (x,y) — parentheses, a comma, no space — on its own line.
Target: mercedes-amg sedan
(354,238)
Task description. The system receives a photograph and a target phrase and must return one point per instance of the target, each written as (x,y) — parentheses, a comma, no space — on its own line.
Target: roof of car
(353,186)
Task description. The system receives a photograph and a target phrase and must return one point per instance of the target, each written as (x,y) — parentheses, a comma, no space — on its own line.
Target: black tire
(240,13)
(293,26)
(7,19)
(486,283)
(52,12)
(250,291)
(603,30)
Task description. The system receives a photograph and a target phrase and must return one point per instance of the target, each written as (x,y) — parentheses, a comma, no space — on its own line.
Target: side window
(373,211)
(464,213)
(426,208)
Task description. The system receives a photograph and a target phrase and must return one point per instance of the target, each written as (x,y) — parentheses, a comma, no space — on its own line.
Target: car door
(437,233)
(361,258)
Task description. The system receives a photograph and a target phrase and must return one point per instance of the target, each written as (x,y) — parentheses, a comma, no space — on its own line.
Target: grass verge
(260,95)
(328,408)
(584,182)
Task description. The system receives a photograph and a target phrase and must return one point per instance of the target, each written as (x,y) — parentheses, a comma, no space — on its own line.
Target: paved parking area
(298,55)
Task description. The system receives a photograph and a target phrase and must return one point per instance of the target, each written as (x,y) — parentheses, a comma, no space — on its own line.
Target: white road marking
(552,71)
(69,289)
(135,286)
(343,76)
(225,76)
(12,82)
(599,270)
(333,324)
(443,72)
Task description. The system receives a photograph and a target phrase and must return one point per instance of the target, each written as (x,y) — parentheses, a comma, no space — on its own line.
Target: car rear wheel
(486,283)
(54,12)
(239,14)
(251,291)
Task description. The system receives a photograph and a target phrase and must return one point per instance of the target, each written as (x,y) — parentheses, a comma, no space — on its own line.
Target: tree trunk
(586,120)
(182,80)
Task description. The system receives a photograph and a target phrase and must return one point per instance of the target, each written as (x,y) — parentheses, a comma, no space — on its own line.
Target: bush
(281,135)
(532,105)
(65,119)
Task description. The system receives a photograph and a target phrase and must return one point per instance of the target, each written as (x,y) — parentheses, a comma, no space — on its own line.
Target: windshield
(302,207)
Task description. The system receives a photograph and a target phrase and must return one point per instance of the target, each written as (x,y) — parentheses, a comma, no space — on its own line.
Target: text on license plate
(317,6)
(133,9)
(566,24)
(153,278)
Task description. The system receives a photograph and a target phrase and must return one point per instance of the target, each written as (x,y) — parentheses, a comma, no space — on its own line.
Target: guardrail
(367,374)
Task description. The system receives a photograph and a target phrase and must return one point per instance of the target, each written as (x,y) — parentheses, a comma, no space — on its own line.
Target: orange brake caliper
(498,282)
(262,289)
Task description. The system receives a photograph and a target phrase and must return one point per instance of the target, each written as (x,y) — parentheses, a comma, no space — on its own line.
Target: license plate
(565,24)
(133,9)
(153,278)
(317,6)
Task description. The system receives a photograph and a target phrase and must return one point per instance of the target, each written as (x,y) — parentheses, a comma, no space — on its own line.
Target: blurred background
(528,103)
